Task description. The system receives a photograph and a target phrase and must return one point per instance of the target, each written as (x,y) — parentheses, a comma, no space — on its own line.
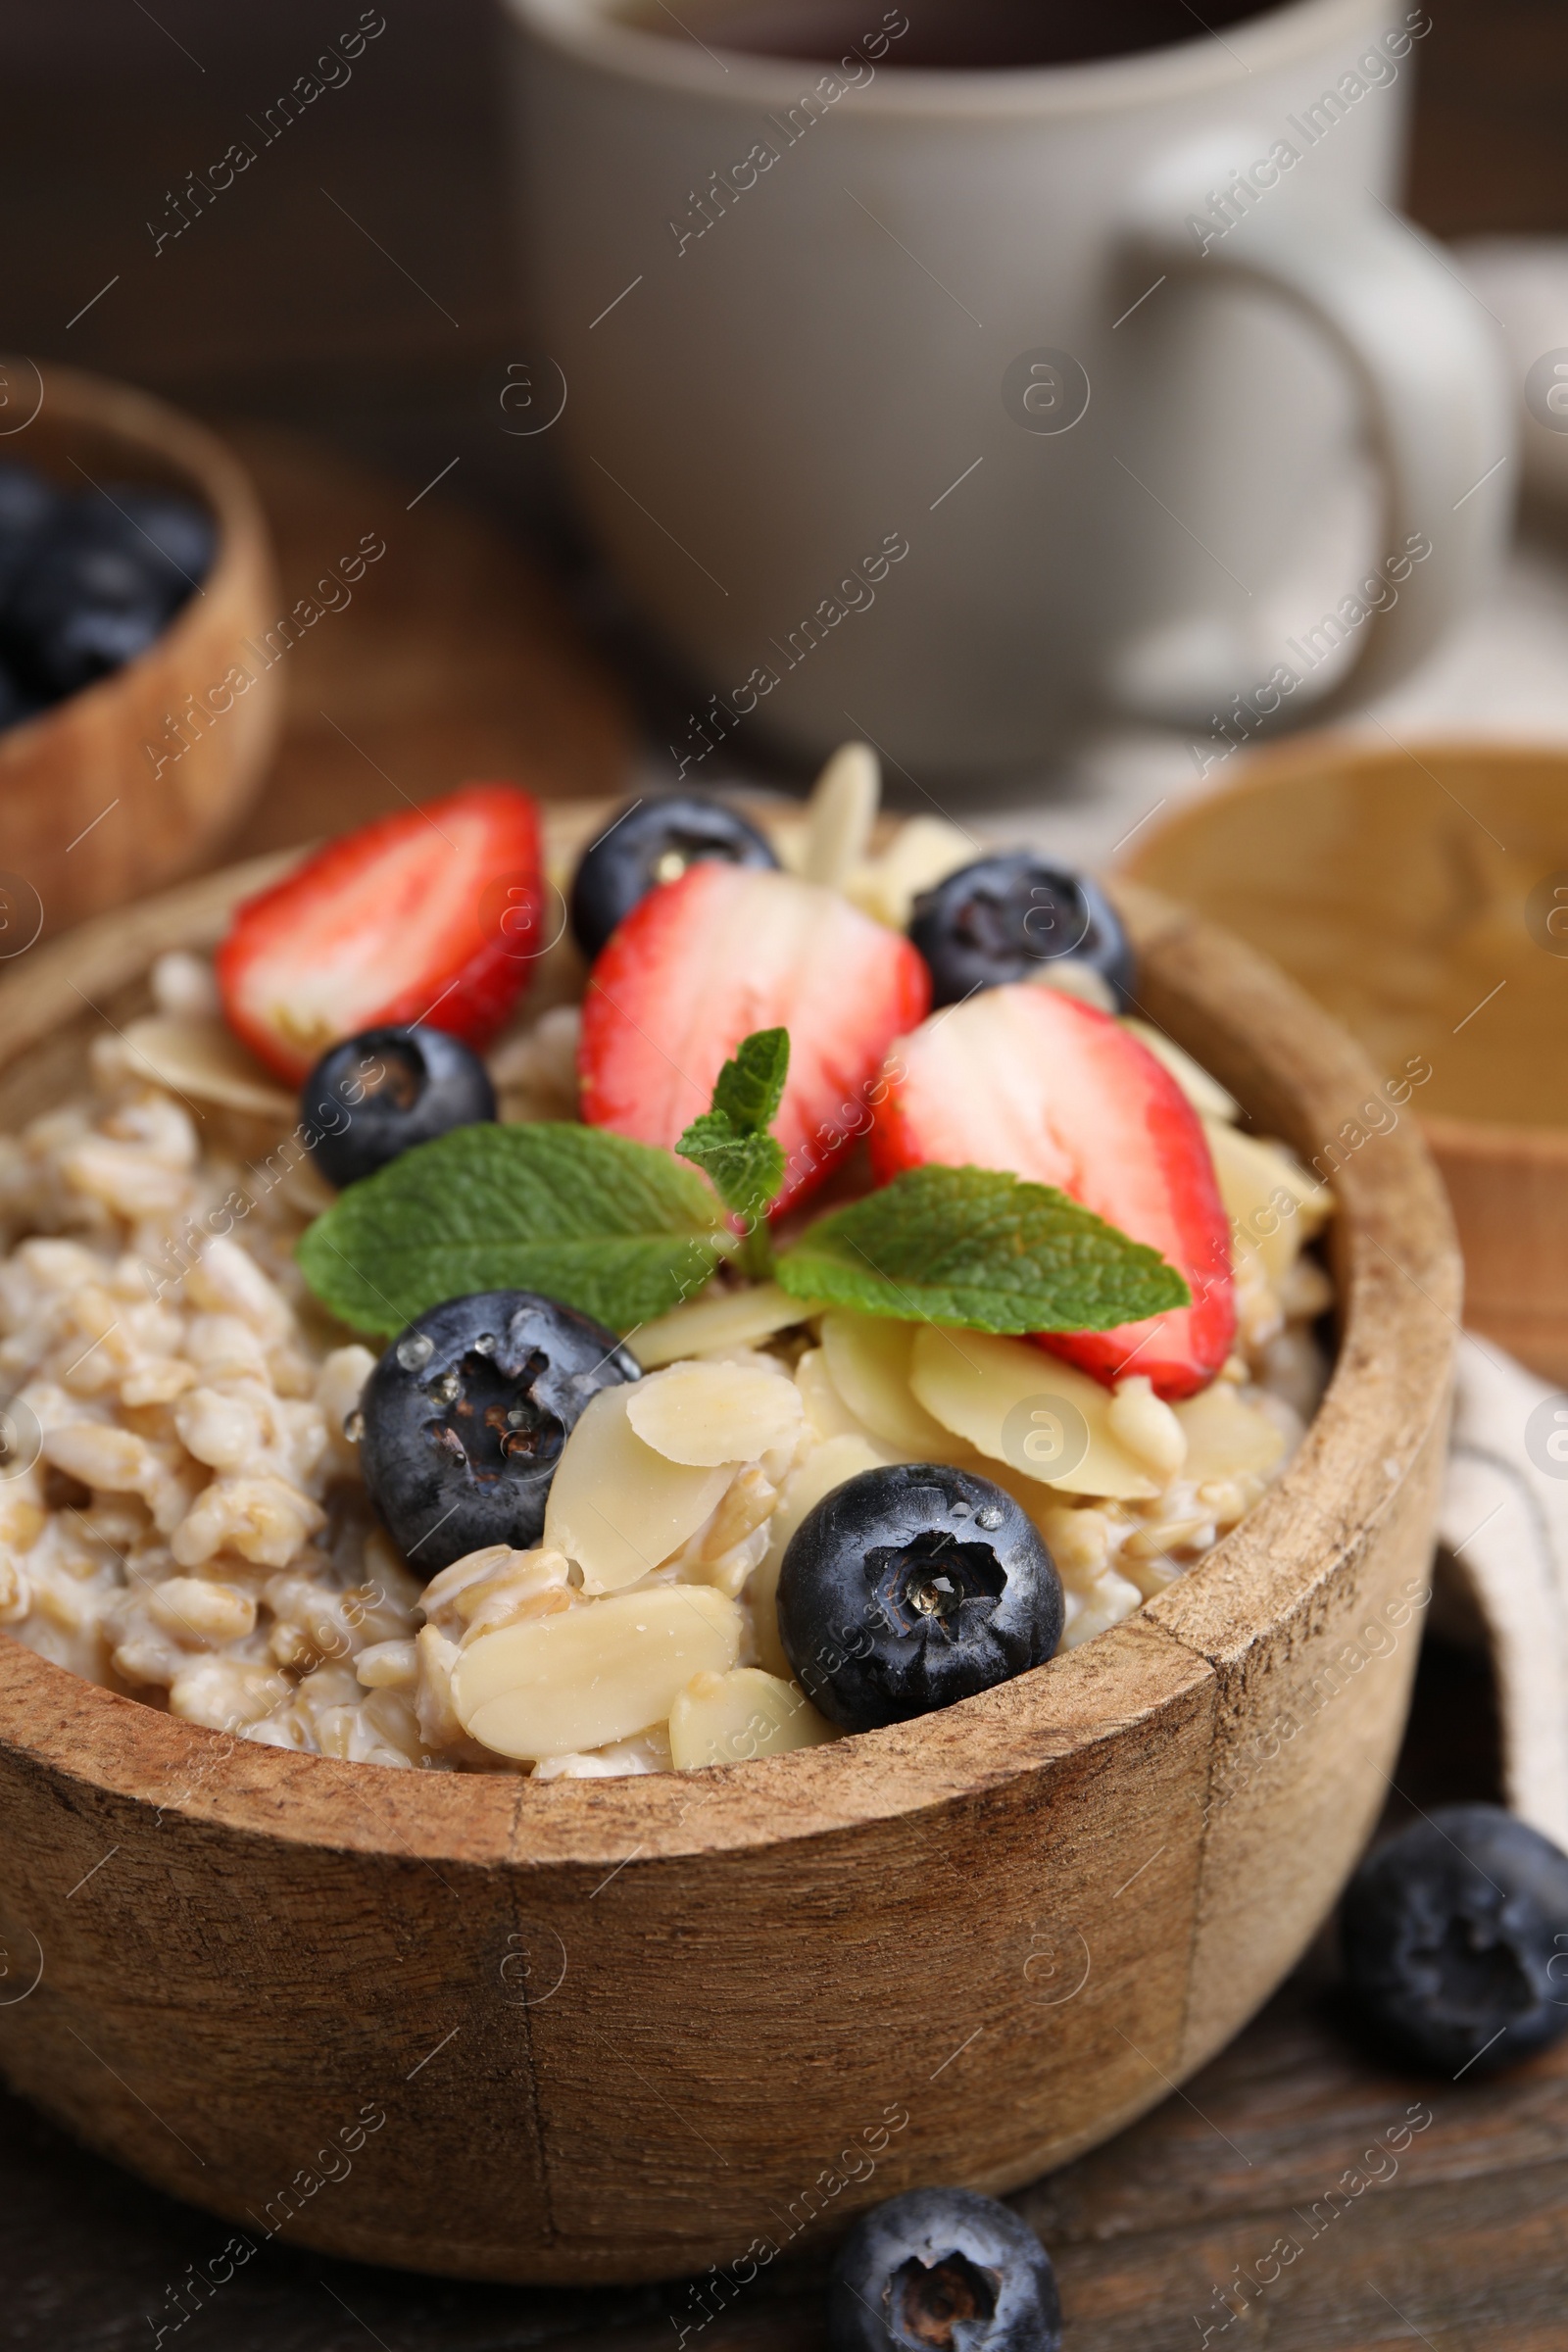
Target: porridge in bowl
(571,1441)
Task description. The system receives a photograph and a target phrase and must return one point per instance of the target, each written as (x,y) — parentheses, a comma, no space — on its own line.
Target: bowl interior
(1415,894)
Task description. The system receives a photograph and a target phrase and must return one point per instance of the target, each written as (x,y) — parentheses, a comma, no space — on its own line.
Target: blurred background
(282,310)
(363,285)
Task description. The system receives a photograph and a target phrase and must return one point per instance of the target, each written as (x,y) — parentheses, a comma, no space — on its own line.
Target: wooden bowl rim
(1302,762)
(187,448)
(1303,758)
(1387,1393)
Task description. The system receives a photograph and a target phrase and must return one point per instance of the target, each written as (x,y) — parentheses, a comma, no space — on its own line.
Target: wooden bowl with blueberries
(138,706)
(703,1516)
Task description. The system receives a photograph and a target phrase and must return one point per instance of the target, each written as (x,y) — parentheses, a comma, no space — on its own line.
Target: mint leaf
(745,1170)
(987,1250)
(730,1141)
(750,1088)
(617,1229)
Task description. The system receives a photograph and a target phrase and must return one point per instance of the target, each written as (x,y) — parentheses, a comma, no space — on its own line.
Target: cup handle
(1432,378)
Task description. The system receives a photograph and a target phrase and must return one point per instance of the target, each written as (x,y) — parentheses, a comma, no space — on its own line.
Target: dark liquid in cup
(949,35)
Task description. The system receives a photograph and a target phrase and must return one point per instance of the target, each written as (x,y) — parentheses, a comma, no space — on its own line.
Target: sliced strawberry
(702,961)
(432,916)
(1030,1080)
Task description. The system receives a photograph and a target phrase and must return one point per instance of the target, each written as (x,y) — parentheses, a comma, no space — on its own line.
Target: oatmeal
(186,1514)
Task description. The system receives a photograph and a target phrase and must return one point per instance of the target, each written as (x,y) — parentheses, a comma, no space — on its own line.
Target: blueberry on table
(1455,1939)
(1003,918)
(464,1417)
(908,1588)
(943,2267)
(649,843)
(374,1097)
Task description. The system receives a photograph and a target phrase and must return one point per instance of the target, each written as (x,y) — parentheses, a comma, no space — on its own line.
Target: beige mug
(963,409)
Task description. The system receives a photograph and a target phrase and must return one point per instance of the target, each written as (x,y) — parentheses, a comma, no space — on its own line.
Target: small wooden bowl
(120,788)
(620,2030)
(1409,891)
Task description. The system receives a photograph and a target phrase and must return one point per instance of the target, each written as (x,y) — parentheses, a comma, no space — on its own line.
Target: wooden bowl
(120,788)
(620,2030)
(1410,891)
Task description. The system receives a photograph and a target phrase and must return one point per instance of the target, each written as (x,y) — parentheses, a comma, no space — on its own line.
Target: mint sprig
(731,1144)
(983,1250)
(617,1229)
(623,1232)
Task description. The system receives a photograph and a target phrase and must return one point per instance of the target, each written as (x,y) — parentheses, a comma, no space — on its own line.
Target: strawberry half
(429,916)
(702,961)
(1027,1079)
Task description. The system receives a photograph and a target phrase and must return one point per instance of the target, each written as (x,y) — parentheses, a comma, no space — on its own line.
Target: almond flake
(708,1414)
(575,1681)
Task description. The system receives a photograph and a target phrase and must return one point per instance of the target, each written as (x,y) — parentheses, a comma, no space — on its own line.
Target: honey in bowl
(1421,895)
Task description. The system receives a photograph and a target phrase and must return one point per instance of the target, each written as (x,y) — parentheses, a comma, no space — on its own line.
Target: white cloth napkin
(1504,1549)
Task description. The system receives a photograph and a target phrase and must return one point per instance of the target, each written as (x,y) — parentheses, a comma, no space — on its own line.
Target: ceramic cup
(963,409)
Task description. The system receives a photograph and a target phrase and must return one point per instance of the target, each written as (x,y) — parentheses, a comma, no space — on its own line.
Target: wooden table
(457,666)
(454,661)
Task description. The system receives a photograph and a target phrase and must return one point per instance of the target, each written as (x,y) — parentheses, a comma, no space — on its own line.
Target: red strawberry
(1027,1079)
(702,961)
(433,915)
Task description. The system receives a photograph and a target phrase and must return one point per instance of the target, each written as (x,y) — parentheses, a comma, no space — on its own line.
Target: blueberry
(93,643)
(908,1588)
(944,2267)
(79,610)
(1455,1938)
(173,538)
(15,703)
(1003,916)
(375,1096)
(27,507)
(649,843)
(465,1415)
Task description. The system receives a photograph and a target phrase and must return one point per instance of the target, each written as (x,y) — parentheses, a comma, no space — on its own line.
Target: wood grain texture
(620,2029)
(1467,2239)
(1409,889)
(102,800)
(454,661)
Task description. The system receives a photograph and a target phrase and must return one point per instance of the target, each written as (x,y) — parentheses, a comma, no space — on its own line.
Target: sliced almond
(1043,1418)
(1274,1206)
(1205,1093)
(708,1414)
(1148,1428)
(725,1319)
(922,852)
(827,1466)
(204,1061)
(729,1718)
(841,814)
(1071,976)
(577,1681)
(868,1358)
(1227,1435)
(828,1414)
(619,1508)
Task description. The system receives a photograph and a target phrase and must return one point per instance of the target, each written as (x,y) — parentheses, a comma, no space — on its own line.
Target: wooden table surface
(457,666)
